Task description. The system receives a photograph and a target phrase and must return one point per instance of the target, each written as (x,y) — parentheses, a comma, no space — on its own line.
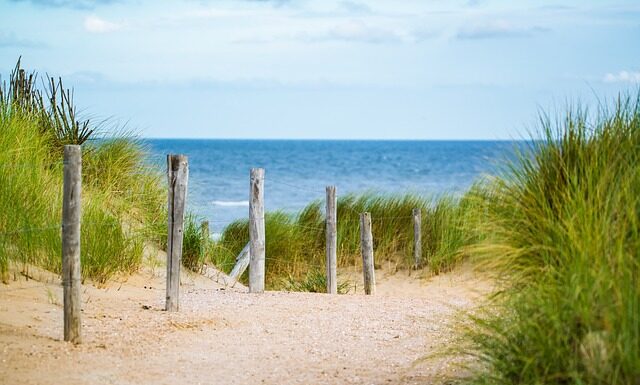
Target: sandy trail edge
(231,337)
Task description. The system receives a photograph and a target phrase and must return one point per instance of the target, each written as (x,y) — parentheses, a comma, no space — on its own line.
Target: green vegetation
(123,203)
(295,245)
(562,232)
(315,281)
(194,243)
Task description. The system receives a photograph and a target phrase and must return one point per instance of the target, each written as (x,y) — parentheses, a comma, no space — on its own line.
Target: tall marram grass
(123,203)
(295,244)
(563,231)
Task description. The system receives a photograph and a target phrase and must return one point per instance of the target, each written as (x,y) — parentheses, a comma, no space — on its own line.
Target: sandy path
(229,336)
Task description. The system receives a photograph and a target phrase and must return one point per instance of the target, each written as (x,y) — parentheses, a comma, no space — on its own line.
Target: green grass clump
(314,281)
(562,231)
(195,244)
(123,202)
(295,243)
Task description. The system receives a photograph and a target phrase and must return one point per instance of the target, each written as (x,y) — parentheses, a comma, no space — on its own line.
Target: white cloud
(497,29)
(622,77)
(95,24)
(355,31)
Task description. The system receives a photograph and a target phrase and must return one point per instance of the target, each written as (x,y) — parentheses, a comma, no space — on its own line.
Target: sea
(297,171)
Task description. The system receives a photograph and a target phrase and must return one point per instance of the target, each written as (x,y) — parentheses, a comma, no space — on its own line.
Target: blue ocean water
(297,171)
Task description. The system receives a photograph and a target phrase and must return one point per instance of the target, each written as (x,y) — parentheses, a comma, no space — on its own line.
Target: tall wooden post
(417,237)
(71,214)
(256,231)
(366,244)
(332,241)
(178,176)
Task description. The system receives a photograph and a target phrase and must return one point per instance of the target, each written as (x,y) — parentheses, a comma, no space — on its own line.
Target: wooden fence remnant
(366,245)
(331,240)
(256,231)
(178,177)
(417,237)
(71,215)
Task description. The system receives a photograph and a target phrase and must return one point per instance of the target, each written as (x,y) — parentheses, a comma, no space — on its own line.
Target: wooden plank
(178,177)
(366,245)
(242,262)
(332,240)
(417,238)
(256,231)
(71,214)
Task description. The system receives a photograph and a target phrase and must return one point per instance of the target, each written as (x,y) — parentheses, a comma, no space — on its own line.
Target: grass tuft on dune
(562,235)
(123,202)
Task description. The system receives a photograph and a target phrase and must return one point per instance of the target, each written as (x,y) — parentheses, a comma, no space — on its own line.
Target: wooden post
(242,261)
(332,241)
(205,236)
(417,237)
(256,231)
(178,176)
(366,245)
(71,214)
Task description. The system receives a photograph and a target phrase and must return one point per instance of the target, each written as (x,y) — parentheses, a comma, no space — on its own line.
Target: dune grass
(123,203)
(295,243)
(562,234)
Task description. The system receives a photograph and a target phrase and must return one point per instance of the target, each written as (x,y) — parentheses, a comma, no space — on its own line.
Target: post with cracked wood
(178,177)
(256,231)
(332,241)
(71,214)
(417,237)
(366,245)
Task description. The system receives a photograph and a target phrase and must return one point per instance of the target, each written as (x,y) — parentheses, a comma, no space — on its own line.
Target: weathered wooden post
(366,245)
(256,231)
(205,237)
(242,261)
(71,214)
(332,241)
(178,176)
(417,237)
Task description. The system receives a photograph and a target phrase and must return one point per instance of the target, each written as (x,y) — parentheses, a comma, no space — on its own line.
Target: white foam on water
(231,203)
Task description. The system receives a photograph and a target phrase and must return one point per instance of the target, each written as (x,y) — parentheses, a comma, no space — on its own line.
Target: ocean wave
(231,203)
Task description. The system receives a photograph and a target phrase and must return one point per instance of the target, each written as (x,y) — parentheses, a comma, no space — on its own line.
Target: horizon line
(339,139)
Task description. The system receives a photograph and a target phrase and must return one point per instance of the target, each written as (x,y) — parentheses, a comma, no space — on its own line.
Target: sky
(327,69)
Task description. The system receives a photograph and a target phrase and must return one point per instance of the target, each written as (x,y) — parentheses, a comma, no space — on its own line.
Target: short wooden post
(204,236)
(332,241)
(71,214)
(417,237)
(366,244)
(178,177)
(256,231)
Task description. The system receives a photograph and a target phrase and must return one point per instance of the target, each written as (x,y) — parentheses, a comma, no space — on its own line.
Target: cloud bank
(623,77)
(498,29)
(78,4)
(95,24)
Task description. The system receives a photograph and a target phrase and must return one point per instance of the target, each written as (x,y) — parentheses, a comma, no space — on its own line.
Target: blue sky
(378,69)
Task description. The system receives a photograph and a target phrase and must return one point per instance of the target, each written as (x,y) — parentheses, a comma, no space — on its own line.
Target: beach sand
(224,335)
